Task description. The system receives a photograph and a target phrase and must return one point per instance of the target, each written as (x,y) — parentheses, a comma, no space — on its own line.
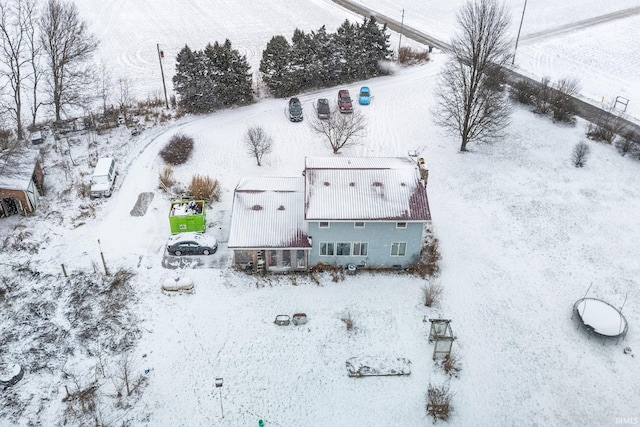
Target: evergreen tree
(347,51)
(302,51)
(191,82)
(229,72)
(376,45)
(323,68)
(275,67)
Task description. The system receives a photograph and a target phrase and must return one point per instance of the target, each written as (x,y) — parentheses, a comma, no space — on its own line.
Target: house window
(398,249)
(401,225)
(326,248)
(358,225)
(343,248)
(301,259)
(324,225)
(360,248)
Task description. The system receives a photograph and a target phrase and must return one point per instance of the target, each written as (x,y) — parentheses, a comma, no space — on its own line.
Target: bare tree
(105,87)
(258,143)
(580,154)
(340,130)
(124,98)
(469,104)
(35,51)
(15,19)
(69,46)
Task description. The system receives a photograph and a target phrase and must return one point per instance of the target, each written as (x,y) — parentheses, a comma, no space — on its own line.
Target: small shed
(187,215)
(21,182)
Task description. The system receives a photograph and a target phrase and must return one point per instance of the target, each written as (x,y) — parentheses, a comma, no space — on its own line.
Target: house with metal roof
(368,212)
(268,231)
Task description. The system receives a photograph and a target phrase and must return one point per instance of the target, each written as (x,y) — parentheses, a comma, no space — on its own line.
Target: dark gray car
(192,243)
(323,108)
(295,110)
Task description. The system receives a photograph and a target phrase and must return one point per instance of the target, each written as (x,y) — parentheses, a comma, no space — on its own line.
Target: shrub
(439,402)
(178,150)
(562,104)
(580,154)
(629,143)
(542,97)
(523,92)
(166,178)
(84,190)
(599,132)
(205,188)
(408,56)
(120,280)
(607,128)
(337,274)
(428,263)
(348,321)
(432,294)
(452,364)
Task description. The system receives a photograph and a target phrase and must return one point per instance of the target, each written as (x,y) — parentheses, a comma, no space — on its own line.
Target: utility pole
(160,56)
(218,383)
(401,29)
(513,59)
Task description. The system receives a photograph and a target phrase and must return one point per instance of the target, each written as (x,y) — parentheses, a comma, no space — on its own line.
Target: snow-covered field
(522,233)
(602,55)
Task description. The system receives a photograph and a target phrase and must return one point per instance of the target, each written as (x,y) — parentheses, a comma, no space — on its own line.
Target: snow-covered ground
(523,234)
(602,55)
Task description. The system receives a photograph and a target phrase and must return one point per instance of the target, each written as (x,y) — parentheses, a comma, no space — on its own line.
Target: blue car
(365,96)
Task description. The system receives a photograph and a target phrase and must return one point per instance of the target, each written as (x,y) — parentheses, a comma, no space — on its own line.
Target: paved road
(585,110)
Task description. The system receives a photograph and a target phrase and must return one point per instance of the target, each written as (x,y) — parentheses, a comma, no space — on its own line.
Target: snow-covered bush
(439,402)
(432,294)
(580,154)
(451,364)
(178,150)
(408,56)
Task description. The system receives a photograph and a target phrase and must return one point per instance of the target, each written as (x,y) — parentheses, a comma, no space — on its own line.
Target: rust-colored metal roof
(368,188)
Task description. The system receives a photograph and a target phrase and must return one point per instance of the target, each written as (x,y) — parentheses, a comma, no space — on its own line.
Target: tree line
(219,76)
(45,50)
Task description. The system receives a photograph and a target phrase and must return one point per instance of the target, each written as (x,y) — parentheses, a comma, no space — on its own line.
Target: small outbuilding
(21,182)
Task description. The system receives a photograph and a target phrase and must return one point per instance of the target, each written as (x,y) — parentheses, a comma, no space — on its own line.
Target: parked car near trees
(295,110)
(323,109)
(344,101)
(365,96)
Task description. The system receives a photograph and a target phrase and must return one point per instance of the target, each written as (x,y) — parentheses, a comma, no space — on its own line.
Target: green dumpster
(187,215)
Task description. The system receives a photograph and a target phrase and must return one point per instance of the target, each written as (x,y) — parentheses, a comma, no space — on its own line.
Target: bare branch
(258,143)
(340,130)
(471,103)
(69,47)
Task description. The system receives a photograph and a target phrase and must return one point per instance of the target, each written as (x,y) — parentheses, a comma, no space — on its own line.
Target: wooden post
(160,56)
